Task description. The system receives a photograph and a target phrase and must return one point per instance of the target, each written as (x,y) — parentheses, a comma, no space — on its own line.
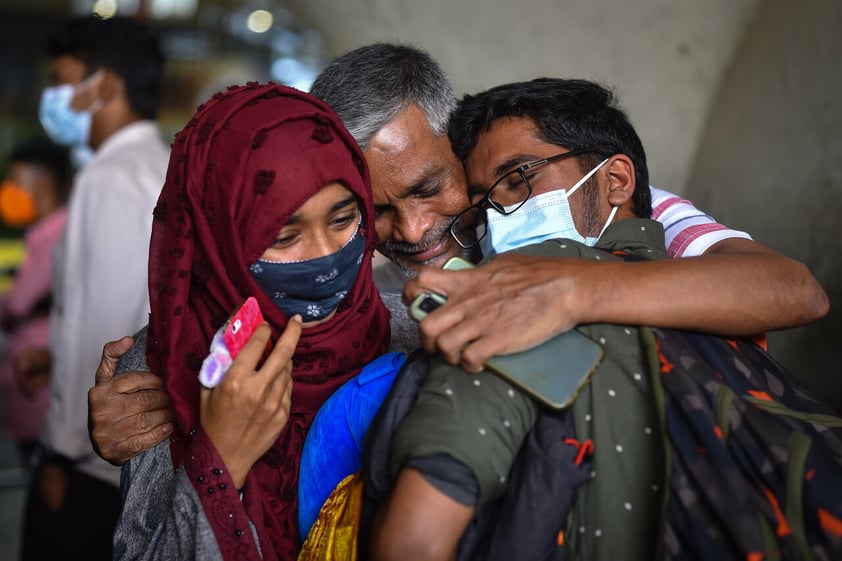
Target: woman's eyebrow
(351,199)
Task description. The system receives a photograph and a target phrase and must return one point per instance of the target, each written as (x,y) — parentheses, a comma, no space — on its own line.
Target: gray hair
(370,86)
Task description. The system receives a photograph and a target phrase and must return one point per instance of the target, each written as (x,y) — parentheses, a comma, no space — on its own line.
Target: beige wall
(664,57)
(770,162)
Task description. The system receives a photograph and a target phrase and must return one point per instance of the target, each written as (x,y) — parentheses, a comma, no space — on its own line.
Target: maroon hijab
(247,160)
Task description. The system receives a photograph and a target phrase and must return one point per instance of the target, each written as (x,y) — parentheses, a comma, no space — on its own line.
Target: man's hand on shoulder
(129,413)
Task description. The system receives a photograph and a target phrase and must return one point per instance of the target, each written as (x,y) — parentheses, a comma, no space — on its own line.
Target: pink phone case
(242,324)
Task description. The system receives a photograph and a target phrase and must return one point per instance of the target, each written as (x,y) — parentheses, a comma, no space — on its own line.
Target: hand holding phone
(553,373)
(228,342)
(426,302)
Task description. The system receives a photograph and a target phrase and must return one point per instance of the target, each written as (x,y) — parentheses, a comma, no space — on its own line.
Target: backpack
(756,459)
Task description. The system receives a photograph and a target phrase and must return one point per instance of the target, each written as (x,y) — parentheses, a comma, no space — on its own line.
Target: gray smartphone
(553,373)
(426,302)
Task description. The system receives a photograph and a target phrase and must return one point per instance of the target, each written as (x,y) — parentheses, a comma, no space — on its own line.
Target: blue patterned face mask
(315,287)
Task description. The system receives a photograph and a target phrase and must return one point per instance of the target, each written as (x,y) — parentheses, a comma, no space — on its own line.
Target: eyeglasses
(506,195)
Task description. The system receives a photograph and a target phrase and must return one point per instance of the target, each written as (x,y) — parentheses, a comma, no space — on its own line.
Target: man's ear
(621,180)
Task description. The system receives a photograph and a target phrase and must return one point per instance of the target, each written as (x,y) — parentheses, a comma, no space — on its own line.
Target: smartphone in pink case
(241,325)
(229,341)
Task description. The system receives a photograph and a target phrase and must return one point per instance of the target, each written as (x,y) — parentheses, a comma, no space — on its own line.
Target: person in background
(32,196)
(105,77)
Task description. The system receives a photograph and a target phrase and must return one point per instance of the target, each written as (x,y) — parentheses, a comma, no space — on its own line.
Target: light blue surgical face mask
(542,217)
(315,287)
(61,123)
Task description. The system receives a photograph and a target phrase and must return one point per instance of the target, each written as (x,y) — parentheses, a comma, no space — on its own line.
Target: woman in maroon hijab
(267,195)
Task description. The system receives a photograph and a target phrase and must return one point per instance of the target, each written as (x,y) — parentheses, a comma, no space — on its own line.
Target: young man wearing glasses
(567,172)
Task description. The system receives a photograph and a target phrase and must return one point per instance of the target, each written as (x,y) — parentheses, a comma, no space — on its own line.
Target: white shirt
(101,279)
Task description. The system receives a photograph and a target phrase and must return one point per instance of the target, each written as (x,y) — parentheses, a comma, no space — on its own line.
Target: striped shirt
(689,231)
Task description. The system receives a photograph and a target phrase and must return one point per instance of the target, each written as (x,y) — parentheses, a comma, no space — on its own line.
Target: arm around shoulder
(130,412)
(793,295)
(737,288)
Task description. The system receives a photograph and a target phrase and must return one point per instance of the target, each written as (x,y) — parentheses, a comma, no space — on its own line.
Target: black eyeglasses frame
(486,201)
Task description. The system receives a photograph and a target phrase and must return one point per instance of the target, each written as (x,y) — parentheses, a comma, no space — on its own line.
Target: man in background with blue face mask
(62,121)
(105,83)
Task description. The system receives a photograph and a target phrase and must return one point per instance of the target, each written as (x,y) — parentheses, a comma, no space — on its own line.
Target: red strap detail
(585,448)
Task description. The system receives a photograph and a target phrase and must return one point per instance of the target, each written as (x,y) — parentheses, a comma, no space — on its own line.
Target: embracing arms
(737,287)
(514,302)
(133,407)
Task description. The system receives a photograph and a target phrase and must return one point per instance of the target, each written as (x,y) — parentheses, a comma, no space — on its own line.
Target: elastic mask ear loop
(582,182)
(608,222)
(84,85)
(587,176)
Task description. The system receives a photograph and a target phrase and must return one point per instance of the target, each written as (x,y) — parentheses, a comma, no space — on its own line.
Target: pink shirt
(22,418)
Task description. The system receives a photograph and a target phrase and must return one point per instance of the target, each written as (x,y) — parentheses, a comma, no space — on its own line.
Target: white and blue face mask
(542,217)
(61,123)
(315,287)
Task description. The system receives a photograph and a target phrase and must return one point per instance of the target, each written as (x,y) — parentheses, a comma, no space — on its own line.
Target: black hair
(48,155)
(574,114)
(129,48)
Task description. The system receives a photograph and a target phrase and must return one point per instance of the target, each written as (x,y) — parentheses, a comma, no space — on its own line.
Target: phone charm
(216,364)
